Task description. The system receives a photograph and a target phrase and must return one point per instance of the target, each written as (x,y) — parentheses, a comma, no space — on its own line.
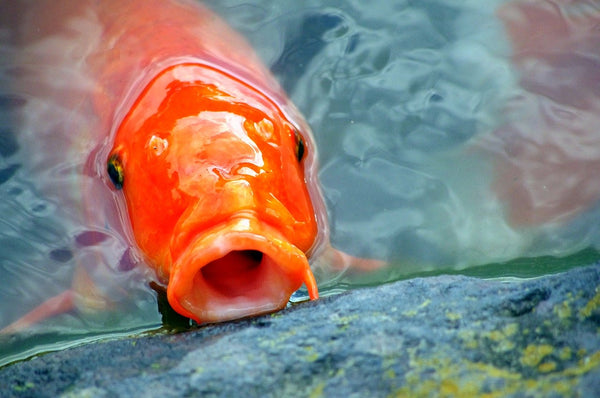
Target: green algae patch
(442,376)
(585,365)
(510,329)
(318,391)
(311,354)
(89,392)
(23,387)
(500,336)
(591,306)
(547,367)
(534,354)
(565,353)
(424,304)
(563,310)
(277,340)
(529,354)
(453,316)
(469,339)
(343,322)
(411,313)
(499,340)
(445,377)
(389,374)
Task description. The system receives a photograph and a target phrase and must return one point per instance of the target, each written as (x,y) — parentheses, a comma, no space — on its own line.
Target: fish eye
(300,146)
(115,170)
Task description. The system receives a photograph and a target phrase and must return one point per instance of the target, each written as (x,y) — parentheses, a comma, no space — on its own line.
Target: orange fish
(213,176)
(186,147)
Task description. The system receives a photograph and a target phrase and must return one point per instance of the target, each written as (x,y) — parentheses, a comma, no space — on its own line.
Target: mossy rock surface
(438,336)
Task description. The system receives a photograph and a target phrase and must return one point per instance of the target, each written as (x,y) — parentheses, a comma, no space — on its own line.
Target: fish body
(182,146)
(547,154)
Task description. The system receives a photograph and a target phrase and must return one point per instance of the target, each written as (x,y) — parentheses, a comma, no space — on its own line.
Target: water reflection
(450,139)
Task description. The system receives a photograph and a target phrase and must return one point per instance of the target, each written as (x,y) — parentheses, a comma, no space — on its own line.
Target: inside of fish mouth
(234,272)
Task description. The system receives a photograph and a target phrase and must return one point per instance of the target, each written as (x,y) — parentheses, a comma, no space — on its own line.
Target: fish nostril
(157,145)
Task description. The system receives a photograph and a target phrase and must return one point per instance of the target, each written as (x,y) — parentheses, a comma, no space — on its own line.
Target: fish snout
(237,198)
(241,267)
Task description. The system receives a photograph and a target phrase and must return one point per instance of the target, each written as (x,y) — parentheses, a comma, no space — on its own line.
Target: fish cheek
(154,201)
(297,196)
(156,179)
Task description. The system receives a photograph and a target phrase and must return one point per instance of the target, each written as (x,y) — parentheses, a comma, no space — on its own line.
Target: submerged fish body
(547,153)
(183,145)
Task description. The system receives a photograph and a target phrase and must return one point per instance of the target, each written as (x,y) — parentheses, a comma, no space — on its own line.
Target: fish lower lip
(239,268)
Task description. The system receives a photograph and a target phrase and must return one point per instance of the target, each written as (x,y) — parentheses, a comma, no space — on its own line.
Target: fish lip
(264,288)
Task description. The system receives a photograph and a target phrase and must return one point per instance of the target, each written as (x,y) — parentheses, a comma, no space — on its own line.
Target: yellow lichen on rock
(534,354)
(591,305)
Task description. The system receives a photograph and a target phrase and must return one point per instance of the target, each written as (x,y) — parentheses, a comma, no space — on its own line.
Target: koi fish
(548,152)
(225,166)
(183,144)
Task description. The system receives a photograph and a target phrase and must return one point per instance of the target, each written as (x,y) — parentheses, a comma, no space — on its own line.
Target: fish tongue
(238,269)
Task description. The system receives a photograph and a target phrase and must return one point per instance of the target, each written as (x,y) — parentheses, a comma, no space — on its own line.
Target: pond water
(450,141)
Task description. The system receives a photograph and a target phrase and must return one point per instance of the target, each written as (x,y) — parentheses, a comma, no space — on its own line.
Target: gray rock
(438,336)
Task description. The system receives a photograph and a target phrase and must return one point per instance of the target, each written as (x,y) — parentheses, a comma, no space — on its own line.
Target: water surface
(430,137)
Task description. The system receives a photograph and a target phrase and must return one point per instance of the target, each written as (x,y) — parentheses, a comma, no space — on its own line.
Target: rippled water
(420,112)
(439,153)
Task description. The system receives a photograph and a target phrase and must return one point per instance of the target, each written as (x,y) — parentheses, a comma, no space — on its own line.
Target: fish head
(213,177)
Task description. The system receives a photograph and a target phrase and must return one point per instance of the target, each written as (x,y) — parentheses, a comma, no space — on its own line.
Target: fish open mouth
(234,274)
(239,268)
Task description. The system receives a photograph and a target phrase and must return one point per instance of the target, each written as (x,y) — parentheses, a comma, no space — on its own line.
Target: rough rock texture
(438,336)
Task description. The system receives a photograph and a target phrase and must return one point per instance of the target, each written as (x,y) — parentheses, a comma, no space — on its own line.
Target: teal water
(406,100)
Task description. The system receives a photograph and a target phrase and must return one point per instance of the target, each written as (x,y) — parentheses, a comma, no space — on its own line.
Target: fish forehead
(199,123)
(194,84)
